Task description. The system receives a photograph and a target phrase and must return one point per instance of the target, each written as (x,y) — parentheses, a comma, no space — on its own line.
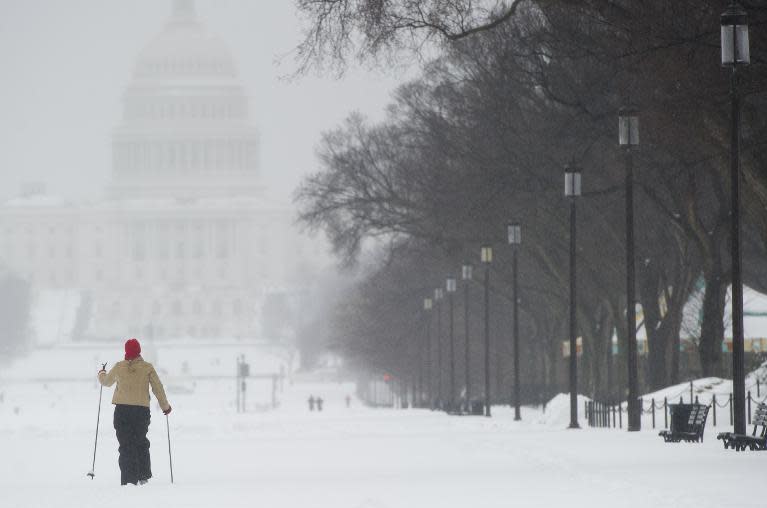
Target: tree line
(510,92)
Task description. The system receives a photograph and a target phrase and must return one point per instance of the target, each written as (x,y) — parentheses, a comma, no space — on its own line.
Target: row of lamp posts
(451,286)
(735,53)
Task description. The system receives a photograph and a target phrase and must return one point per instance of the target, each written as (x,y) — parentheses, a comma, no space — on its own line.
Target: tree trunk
(658,342)
(604,335)
(586,367)
(712,326)
(676,346)
(594,361)
(610,390)
(558,372)
(677,299)
(621,359)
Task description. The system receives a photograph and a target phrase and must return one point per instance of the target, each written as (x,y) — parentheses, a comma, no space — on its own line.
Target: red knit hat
(132,349)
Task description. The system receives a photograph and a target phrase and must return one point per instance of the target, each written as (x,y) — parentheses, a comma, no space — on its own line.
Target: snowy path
(364,458)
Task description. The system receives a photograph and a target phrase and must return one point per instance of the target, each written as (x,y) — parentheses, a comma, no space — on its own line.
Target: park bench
(476,407)
(688,421)
(757,440)
(454,408)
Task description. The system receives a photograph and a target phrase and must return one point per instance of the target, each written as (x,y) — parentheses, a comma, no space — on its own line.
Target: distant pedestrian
(319,403)
(348,401)
(311,402)
(134,377)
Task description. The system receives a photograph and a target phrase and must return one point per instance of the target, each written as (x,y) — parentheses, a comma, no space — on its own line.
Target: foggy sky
(66,64)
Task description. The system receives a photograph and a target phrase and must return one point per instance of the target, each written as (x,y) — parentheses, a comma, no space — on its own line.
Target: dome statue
(184,49)
(186,128)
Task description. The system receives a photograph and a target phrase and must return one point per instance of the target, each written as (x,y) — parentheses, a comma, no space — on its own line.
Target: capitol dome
(186,128)
(184,49)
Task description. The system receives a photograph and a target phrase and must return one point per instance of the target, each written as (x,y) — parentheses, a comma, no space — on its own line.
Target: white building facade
(185,243)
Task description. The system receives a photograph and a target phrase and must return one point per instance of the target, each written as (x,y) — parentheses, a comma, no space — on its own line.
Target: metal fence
(605,415)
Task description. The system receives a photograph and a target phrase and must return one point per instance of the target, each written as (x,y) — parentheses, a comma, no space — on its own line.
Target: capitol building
(184,242)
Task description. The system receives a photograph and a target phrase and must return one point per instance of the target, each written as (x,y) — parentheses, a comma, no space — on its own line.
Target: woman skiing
(134,376)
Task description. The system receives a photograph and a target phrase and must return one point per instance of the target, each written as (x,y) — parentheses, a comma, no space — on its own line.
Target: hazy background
(66,64)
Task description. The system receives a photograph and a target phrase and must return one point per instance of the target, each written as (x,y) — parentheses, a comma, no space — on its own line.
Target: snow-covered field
(353,458)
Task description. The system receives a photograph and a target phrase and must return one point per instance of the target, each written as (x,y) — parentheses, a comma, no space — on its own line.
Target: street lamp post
(427,305)
(414,378)
(238,373)
(466,274)
(450,286)
(514,233)
(438,296)
(628,138)
(572,191)
(735,52)
(486,256)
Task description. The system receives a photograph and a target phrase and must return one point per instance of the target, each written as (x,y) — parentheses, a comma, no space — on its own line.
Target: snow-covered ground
(352,458)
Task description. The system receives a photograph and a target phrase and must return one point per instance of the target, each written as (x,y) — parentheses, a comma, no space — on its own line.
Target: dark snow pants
(132,424)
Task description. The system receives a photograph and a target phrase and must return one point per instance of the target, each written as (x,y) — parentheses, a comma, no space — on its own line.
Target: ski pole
(92,472)
(170,457)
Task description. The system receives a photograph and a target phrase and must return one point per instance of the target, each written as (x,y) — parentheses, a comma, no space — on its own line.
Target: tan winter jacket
(134,377)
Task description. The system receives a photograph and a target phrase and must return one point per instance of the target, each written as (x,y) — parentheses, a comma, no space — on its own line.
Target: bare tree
(374,29)
(482,135)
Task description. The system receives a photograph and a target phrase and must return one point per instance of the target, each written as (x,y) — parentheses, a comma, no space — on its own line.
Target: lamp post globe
(734,36)
(514,233)
(628,127)
(467,272)
(572,181)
